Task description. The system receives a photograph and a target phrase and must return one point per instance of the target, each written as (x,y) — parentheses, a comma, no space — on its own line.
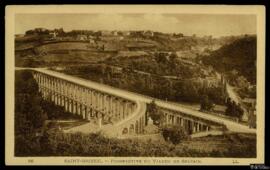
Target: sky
(188,24)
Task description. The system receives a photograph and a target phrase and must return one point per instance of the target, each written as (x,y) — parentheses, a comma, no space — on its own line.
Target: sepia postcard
(134,84)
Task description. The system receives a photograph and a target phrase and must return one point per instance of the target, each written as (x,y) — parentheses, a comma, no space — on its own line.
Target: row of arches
(136,127)
(191,125)
(84,101)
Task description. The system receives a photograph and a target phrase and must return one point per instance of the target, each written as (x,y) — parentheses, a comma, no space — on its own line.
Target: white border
(187,9)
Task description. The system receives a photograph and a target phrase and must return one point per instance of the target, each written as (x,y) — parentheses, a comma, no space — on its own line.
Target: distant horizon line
(217,36)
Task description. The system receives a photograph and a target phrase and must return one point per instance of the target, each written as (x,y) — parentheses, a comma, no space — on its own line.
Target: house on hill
(91,39)
(126,33)
(136,33)
(106,33)
(53,34)
(82,37)
(115,33)
(148,33)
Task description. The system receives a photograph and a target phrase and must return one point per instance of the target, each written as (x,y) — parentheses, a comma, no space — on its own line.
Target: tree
(161,57)
(36,115)
(206,104)
(234,109)
(46,148)
(216,94)
(173,57)
(251,118)
(155,114)
(108,72)
(190,92)
(239,111)
(242,82)
(173,61)
(229,108)
(27,107)
(175,134)
(29,115)
(30,32)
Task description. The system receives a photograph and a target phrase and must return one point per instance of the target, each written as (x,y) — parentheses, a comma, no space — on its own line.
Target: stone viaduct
(125,113)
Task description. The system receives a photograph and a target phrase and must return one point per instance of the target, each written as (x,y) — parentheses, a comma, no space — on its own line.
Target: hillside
(41,50)
(60,53)
(240,55)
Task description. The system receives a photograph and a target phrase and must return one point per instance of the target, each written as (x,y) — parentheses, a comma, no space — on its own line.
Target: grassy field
(61,53)
(225,146)
(64,46)
(63,58)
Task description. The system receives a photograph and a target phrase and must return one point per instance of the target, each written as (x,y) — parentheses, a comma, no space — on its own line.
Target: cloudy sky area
(188,24)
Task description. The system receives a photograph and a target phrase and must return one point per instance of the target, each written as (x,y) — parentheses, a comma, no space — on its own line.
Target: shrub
(175,134)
